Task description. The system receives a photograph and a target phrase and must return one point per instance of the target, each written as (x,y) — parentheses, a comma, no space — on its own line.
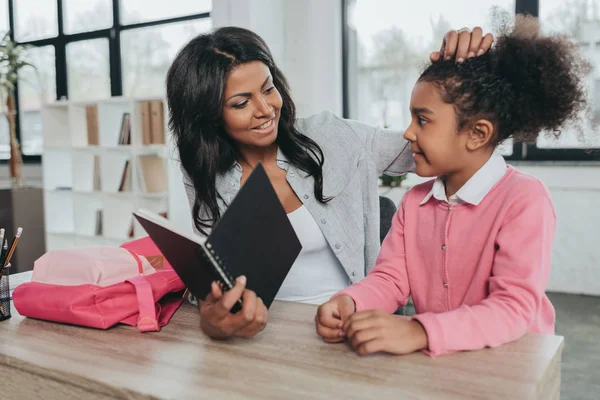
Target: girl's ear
(480,134)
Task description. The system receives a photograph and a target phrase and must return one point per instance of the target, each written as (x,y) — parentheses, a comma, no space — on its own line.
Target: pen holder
(4,294)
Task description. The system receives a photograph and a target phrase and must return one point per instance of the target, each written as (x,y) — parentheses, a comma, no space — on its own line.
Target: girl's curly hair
(525,84)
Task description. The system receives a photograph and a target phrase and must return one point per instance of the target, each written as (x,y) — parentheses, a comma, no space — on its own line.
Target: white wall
(305,38)
(575,191)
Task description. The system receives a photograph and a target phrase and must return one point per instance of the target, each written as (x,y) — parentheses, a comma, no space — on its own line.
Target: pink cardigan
(477,274)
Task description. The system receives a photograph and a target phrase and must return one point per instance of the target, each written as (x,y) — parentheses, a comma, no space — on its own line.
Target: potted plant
(12,59)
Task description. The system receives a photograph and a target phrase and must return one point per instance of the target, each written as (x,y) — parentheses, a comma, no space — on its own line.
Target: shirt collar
(477,187)
(282,162)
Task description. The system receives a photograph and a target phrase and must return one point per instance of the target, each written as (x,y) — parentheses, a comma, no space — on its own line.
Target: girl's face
(438,147)
(252,105)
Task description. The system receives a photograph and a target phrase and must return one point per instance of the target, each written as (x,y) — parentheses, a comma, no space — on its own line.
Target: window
(146,54)
(35,19)
(390,42)
(90,55)
(4,25)
(578,19)
(36,87)
(136,11)
(88,72)
(83,16)
(387,42)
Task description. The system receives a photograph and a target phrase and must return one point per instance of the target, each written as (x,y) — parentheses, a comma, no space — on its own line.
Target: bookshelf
(102,160)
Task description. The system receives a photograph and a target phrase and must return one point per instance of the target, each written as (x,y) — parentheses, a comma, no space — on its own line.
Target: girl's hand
(463,44)
(373,331)
(331,316)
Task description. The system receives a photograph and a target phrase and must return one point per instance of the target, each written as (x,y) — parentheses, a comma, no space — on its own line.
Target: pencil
(12,246)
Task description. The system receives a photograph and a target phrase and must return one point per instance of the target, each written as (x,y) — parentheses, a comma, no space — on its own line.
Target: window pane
(147,53)
(36,87)
(135,11)
(578,19)
(88,69)
(390,42)
(4,17)
(4,137)
(35,19)
(85,16)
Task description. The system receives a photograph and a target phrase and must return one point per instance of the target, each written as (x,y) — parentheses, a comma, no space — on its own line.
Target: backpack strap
(147,321)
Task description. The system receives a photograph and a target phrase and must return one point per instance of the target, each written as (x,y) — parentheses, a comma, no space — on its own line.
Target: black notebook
(253,237)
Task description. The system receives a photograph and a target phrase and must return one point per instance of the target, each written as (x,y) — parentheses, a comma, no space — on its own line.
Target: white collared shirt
(476,188)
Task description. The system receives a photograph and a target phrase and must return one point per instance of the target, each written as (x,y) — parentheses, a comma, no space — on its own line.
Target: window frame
(521,151)
(60,42)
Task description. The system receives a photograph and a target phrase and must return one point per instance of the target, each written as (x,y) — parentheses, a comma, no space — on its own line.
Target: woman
(230,108)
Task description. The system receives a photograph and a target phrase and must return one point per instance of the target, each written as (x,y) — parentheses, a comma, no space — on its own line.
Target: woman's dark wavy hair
(195,85)
(525,84)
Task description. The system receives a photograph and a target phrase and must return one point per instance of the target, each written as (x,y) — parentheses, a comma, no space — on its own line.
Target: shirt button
(443,247)
(280,163)
(292,174)
(338,246)
(449,208)
(353,273)
(323,221)
(306,196)
(445,284)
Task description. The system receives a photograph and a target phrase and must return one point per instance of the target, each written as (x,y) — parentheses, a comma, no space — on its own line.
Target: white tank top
(317,274)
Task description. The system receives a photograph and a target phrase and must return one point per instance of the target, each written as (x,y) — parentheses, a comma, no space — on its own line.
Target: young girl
(472,247)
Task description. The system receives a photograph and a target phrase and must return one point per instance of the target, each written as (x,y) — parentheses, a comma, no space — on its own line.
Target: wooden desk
(53,361)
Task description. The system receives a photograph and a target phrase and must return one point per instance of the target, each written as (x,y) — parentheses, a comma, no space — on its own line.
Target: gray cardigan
(355,155)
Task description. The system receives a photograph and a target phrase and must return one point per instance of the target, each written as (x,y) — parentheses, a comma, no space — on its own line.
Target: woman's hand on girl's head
(463,44)
(218,322)
(331,316)
(375,331)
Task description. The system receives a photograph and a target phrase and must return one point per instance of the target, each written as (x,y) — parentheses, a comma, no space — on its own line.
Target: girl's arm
(516,287)
(386,287)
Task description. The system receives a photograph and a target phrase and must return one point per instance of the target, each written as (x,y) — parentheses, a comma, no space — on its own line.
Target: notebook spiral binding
(223,272)
(222,269)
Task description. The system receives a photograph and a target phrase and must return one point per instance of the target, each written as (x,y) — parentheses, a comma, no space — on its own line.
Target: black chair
(387,209)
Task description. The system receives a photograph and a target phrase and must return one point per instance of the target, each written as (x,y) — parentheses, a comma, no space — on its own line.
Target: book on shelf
(153,174)
(97,186)
(99,222)
(125,135)
(157,122)
(145,122)
(91,118)
(152,122)
(125,185)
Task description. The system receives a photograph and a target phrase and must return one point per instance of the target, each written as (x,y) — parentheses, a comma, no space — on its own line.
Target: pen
(12,246)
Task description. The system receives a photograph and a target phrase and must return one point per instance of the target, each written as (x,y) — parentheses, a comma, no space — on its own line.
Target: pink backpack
(100,287)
